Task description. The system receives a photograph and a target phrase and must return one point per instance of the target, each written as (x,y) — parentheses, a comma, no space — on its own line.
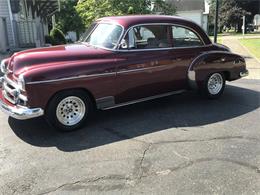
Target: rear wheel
(214,85)
(68,110)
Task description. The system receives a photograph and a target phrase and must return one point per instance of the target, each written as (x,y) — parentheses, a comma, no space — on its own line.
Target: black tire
(54,116)
(207,92)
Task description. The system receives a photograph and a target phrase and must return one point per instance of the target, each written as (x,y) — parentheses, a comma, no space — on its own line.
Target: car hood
(35,58)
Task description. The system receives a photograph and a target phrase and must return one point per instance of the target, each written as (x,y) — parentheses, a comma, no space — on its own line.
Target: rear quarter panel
(215,61)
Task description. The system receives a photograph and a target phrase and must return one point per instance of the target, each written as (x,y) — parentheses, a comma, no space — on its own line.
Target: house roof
(188,5)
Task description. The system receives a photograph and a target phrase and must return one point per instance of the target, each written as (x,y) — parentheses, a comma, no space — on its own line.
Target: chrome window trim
(119,40)
(160,49)
(163,49)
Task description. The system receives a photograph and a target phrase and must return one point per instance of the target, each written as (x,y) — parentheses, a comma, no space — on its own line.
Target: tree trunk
(239,27)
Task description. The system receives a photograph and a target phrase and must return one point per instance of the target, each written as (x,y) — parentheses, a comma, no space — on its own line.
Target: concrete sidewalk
(253,64)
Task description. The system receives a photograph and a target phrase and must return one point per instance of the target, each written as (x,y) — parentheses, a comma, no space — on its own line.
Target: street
(176,145)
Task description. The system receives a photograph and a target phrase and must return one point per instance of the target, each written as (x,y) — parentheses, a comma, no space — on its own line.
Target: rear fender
(214,61)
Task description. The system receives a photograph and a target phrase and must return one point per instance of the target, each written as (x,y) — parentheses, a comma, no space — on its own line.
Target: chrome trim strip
(192,79)
(163,49)
(192,75)
(141,69)
(96,75)
(145,99)
(74,77)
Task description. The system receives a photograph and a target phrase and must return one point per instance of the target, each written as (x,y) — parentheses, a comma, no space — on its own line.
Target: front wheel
(213,85)
(68,110)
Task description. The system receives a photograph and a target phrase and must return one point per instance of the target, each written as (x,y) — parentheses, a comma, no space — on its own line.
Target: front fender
(215,61)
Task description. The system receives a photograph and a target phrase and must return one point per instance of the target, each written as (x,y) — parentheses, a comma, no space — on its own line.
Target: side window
(183,37)
(148,37)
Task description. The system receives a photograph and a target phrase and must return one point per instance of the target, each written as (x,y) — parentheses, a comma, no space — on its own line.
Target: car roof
(131,20)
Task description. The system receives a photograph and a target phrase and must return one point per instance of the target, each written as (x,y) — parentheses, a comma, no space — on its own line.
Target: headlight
(3,66)
(21,82)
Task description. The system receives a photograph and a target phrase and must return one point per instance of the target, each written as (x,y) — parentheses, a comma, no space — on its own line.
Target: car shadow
(179,111)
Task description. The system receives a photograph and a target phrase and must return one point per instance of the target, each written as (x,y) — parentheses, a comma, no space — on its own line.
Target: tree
(252,7)
(90,10)
(230,13)
(68,18)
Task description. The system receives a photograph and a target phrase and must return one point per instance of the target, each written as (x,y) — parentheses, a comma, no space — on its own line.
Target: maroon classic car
(119,61)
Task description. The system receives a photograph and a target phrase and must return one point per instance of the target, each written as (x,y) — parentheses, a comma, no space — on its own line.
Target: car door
(145,67)
(187,45)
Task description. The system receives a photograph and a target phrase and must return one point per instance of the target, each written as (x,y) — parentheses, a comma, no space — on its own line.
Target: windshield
(86,33)
(104,35)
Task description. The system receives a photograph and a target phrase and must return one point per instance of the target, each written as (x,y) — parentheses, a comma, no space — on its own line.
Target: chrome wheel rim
(215,83)
(70,111)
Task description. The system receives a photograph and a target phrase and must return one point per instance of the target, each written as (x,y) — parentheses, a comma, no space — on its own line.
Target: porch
(30,21)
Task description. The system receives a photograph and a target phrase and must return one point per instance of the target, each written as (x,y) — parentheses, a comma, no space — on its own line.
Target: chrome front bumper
(16,111)
(244,73)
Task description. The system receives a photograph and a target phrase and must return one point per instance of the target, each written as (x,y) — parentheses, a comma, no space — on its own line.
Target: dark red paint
(163,71)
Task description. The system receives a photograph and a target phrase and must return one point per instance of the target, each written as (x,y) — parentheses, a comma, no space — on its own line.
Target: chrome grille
(12,93)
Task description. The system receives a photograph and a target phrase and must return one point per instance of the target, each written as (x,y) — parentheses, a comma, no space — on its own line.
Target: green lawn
(253,45)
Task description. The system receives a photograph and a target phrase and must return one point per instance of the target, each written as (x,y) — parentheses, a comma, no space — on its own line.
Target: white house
(195,10)
(23,23)
(256,21)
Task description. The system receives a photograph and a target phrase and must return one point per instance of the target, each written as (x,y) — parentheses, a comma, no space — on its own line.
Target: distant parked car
(122,60)
(250,28)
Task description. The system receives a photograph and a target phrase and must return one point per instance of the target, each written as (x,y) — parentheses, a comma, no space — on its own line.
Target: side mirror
(123,44)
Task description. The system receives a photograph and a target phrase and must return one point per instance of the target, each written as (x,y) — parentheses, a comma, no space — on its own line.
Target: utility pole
(216,23)
(244,25)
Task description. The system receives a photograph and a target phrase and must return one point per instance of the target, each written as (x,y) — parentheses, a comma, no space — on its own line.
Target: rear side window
(183,37)
(149,37)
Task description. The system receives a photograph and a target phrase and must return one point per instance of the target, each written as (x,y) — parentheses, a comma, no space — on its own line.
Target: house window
(23,10)
(183,37)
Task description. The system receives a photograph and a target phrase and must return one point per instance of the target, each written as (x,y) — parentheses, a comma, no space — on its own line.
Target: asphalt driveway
(175,145)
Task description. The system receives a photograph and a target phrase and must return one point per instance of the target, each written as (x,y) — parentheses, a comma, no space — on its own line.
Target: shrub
(49,39)
(57,37)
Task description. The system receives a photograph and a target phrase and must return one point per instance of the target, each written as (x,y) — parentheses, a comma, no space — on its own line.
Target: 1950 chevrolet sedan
(119,61)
